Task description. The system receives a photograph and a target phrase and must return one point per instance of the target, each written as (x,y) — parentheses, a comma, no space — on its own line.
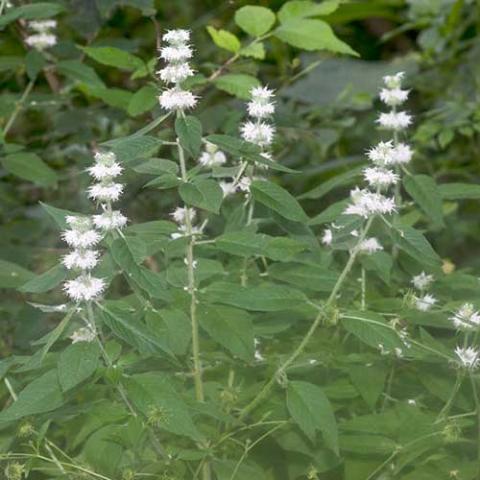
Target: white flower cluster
(106,191)
(468,357)
(466,318)
(85,232)
(385,155)
(423,301)
(184,216)
(258,129)
(212,156)
(82,237)
(176,54)
(43,37)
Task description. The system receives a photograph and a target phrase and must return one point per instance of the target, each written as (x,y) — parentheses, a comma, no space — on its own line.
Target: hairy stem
(298,351)
(197,365)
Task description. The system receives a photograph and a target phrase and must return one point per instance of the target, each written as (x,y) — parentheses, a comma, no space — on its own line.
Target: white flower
(469,357)
(380,177)
(81,239)
(179,53)
(228,188)
(109,192)
(393,97)
(260,133)
(466,317)
(244,184)
(366,203)
(260,110)
(41,41)
(175,73)
(395,120)
(110,220)
(81,259)
(175,99)
(380,154)
(260,105)
(79,222)
(370,245)
(212,156)
(394,81)
(327,237)
(84,288)
(180,214)
(425,303)
(42,25)
(400,155)
(101,171)
(83,334)
(422,281)
(182,232)
(107,158)
(175,37)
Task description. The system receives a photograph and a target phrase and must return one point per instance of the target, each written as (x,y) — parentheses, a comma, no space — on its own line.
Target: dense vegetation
(237,242)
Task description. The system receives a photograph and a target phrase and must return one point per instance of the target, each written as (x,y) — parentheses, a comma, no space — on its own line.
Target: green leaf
(34,62)
(31,12)
(30,166)
(245,150)
(278,199)
(230,327)
(255,21)
(114,97)
(223,39)
(424,191)
(142,101)
(311,35)
(153,393)
(79,72)
(369,380)
(40,396)
(130,148)
(371,329)
(13,275)
(205,194)
(255,50)
(11,63)
(262,298)
(150,282)
(459,191)
(415,244)
(309,277)
(238,84)
(189,132)
(76,363)
(58,214)
(304,9)
(46,281)
(156,166)
(312,411)
(123,324)
(113,57)
(339,180)
(173,325)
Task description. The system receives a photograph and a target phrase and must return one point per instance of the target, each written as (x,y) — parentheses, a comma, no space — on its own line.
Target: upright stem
(197,367)
(456,388)
(298,351)
(477,407)
(364,286)
(18,107)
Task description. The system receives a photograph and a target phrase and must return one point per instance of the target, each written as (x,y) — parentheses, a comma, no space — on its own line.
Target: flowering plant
(219,326)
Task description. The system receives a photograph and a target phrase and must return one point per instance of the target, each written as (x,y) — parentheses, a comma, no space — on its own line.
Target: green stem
(197,365)
(18,107)
(364,286)
(456,388)
(477,407)
(298,351)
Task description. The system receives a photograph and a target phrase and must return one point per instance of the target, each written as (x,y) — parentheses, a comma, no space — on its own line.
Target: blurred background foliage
(325,113)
